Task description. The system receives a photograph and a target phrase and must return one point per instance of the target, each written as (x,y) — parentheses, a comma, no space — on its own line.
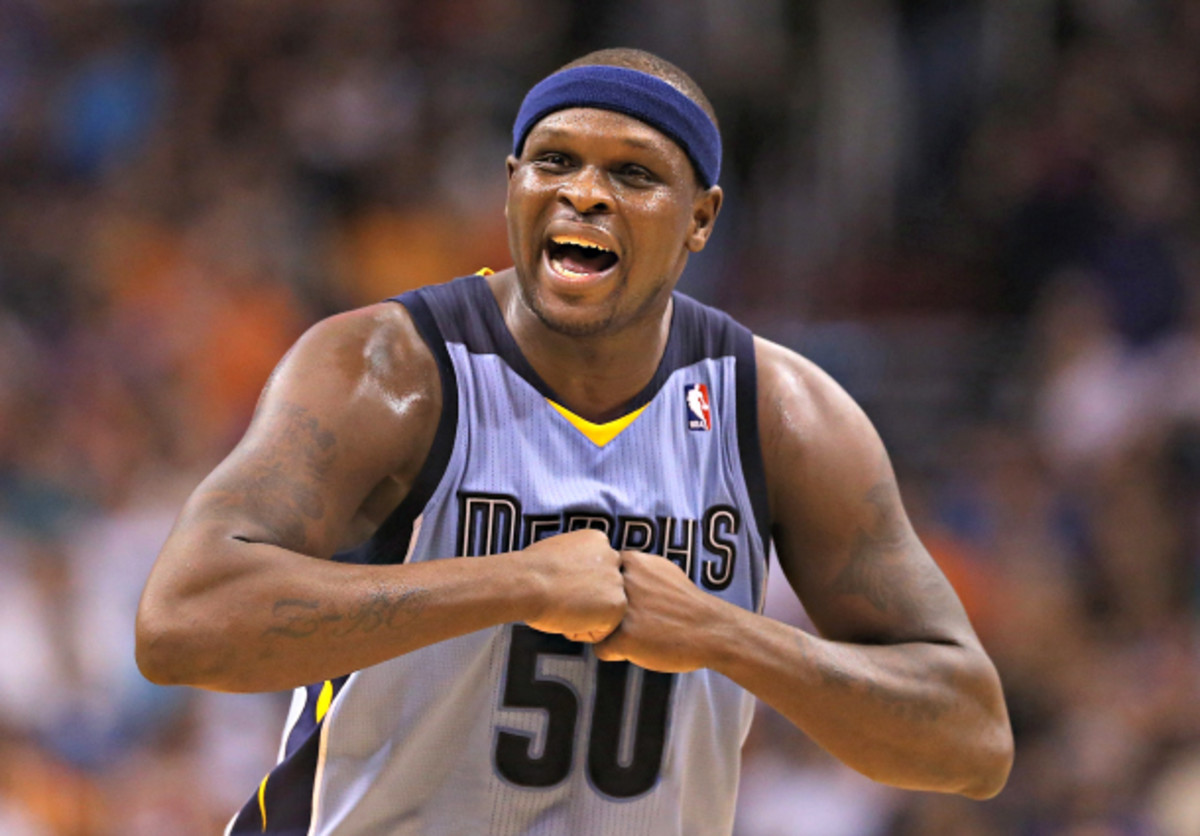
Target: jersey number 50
(523,689)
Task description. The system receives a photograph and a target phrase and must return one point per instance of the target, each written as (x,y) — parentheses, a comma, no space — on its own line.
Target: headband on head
(633,93)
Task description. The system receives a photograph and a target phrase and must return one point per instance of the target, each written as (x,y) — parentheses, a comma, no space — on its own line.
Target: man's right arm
(243,596)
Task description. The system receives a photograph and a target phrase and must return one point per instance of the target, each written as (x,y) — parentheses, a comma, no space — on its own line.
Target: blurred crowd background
(981,216)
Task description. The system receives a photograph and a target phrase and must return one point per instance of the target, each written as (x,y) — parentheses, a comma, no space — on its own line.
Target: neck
(595,376)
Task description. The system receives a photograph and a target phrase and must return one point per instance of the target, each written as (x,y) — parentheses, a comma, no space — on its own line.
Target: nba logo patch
(699,416)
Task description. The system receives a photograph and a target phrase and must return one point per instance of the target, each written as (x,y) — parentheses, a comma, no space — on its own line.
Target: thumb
(609,650)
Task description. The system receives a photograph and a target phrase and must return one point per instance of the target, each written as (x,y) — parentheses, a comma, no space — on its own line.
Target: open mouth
(576,258)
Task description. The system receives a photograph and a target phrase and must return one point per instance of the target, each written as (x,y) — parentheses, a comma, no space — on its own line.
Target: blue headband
(637,94)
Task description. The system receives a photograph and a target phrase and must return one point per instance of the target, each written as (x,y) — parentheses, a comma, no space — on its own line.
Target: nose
(587,191)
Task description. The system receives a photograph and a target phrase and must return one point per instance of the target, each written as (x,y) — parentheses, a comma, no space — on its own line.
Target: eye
(552,160)
(637,174)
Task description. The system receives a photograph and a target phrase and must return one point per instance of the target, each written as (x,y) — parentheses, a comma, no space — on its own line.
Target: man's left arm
(897,685)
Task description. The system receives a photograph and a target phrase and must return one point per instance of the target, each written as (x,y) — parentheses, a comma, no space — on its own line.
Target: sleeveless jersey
(512,732)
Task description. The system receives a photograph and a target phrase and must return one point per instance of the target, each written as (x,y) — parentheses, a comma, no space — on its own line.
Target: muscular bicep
(340,429)
(284,484)
(866,577)
(841,533)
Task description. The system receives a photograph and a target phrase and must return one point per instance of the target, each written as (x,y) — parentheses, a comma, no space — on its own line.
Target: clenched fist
(580,588)
(668,621)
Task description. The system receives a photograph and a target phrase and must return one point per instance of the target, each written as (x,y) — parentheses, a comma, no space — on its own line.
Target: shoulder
(378,346)
(799,401)
(369,366)
(814,435)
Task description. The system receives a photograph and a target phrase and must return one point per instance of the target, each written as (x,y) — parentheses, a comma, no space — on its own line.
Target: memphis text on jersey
(705,549)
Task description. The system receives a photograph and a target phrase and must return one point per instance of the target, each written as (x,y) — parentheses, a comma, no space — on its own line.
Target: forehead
(589,124)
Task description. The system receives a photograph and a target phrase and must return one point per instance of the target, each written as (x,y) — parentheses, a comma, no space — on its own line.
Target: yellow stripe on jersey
(324,699)
(598,434)
(484,271)
(262,801)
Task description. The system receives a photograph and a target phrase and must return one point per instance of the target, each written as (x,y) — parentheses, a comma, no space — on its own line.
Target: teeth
(579,242)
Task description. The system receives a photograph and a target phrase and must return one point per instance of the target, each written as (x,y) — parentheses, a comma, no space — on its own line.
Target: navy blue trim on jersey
(390,542)
(287,797)
(468,312)
(754,470)
(698,333)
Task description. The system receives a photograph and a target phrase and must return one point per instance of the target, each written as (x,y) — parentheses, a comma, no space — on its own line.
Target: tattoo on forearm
(297,618)
(283,500)
(835,673)
(917,708)
(914,707)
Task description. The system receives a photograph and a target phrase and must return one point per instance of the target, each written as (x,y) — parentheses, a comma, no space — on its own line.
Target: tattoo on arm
(881,570)
(876,569)
(270,490)
(914,707)
(387,608)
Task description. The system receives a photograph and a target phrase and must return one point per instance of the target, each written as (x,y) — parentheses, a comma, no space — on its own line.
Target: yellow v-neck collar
(598,434)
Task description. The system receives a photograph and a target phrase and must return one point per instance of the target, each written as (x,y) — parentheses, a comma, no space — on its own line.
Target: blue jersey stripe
(286,798)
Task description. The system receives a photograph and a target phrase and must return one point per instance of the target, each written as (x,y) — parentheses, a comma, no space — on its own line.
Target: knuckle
(596,538)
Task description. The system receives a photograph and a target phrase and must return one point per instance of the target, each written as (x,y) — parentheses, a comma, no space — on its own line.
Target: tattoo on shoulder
(277,494)
(387,608)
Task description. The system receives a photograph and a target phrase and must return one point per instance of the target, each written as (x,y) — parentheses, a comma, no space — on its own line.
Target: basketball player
(507,536)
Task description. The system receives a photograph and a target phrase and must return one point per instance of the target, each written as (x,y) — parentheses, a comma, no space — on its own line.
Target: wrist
(722,635)
(530,585)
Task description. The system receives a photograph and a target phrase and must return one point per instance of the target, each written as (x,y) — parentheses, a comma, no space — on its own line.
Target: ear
(510,163)
(704,215)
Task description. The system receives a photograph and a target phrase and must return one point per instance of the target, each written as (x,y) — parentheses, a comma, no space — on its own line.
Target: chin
(565,318)
(573,323)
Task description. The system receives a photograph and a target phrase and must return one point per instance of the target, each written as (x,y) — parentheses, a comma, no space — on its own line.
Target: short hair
(651,64)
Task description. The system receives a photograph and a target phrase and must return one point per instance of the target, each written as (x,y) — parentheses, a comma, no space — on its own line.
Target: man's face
(602,212)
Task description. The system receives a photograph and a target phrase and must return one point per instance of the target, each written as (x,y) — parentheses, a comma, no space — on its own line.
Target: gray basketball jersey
(512,732)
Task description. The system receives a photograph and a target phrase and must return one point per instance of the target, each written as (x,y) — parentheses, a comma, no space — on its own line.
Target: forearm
(918,715)
(276,620)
